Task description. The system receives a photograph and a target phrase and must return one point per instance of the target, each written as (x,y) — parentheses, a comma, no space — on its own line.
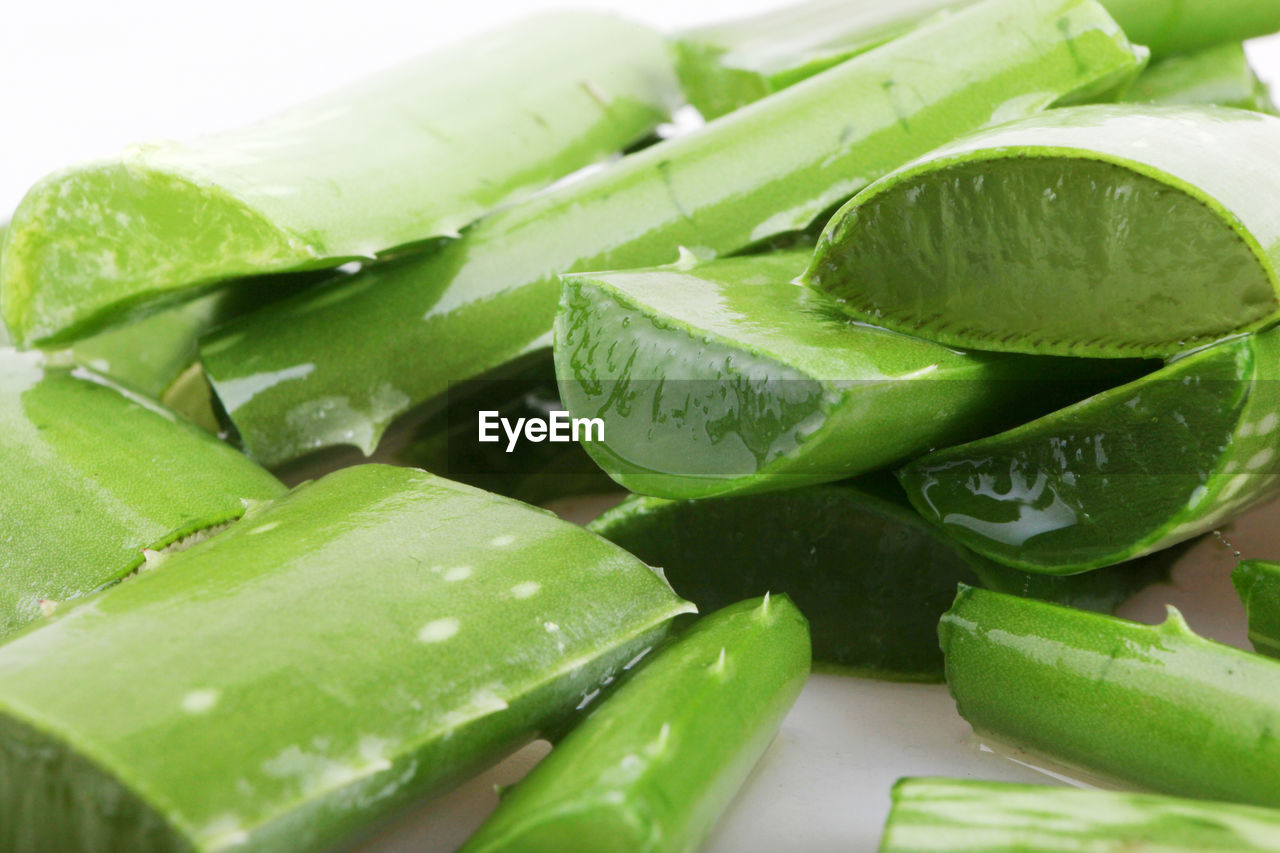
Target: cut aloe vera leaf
(416,152)
(871,576)
(1257,582)
(354,645)
(725,377)
(337,366)
(1153,705)
(94,480)
(1127,472)
(727,65)
(656,764)
(1216,75)
(1088,231)
(730,64)
(961,815)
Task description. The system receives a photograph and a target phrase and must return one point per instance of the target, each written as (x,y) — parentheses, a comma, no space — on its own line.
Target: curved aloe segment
(725,378)
(727,65)
(1154,705)
(962,815)
(416,152)
(1257,582)
(1098,230)
(307,373)
(657,762)
(1216,75)
(871,576)
(730,64)
(352,646)
(1125,473)
(91,477)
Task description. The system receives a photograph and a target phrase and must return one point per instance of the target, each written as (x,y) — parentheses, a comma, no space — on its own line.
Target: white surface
(82,79)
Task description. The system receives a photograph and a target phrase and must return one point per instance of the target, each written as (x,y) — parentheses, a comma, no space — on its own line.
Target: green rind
(344,650)
(1182,246)
(869,574)
(655,765)
(416,152)
(1156,706)
(1257,582)
(91,477)
(763,171)
(963,815)
(1216,75)
(725,378)
(1130,471)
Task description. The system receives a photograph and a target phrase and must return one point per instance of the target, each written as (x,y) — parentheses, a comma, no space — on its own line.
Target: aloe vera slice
(1257,582)
(1216,75)
(725,377)
(416,152)
(657,762)
(1154,705)
(991,817)
(871,576)
(354,645)
(317,378)
(1097,230)
(1124,473)
(726,65)
(91,477)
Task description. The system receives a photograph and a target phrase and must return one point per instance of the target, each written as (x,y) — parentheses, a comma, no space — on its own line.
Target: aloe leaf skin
(654,765)
(1257,582)
(961,815)
(730,64)
(1216,75)
(1121,474)
(1155,706)
(724,378)
(92,476)
(416,152)
(1089,231)
(359,643)
(870,575)
(318,379)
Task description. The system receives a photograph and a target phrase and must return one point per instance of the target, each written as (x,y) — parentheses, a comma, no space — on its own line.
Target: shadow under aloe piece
(416,152)
(1124,473)
(657,762)
(1089,231)
(726,377)
(1156,706)
(337,366)
(95,483)
(1218,75)
(357,644)
(869,574)
(962,815)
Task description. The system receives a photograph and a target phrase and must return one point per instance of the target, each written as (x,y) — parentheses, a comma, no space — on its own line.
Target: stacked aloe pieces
(974,298)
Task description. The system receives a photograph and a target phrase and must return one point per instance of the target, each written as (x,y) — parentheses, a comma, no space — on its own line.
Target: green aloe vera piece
(416,152)
(871,576)
(1257,582)
(91,477)
(307,374)
(1216,75)
(726,65)
(655,765)
(1121,474)
(1096,230)
(726,377)
(1153,705)
(962,815)
(354,645)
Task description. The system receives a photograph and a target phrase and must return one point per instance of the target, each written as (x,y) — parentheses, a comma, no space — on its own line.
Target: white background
(83,79)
